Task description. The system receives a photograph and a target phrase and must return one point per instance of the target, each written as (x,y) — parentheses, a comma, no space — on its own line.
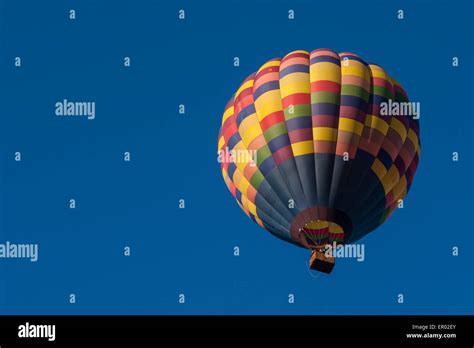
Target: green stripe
(275,130)
(325,97)
(382,91)
(262,154)
(355,91)
(400,97)
(257,179)
(298,111)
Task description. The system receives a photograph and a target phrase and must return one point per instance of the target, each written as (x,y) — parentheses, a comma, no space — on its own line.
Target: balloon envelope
(314,150)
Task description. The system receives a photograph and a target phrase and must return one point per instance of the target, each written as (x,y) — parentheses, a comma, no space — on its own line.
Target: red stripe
(251,76)
(323,49)
(353,113)
(270,69)
(316,230)
(282,155)
(229,104)
(230,131)
(244,93)
(325,86)
(271,120)
(295,55)
(243,100)
(227,124)
(389,197)
(296,99)
(232,188)
(330,121)
(379,81)
(243,103)
(299,135)
(225,166)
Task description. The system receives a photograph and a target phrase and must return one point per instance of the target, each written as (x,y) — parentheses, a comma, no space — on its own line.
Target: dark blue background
(190,251)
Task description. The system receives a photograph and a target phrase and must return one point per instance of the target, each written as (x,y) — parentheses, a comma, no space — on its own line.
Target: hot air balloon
(314,158)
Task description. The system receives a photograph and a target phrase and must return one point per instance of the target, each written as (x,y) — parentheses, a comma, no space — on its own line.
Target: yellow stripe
(317,224)
(399,128)
(224,174)
(386,184)
(243,87)
(239,181)
(236,178)
(268,65)
(302,148)
(390,179)
(245,202)
(293,88)
(229,112)
(394,175)
(350,125)
(251,133)
(413,137)
(298,51)
(241,164)
(268,103)
(248,122)
(252,208)
(377,123)
(355,68)
(399,188)
(221,143)
(244,185)
(379,169)
(325,71)
(335,228)
(324,133)
(243,157)
(295,83)
(378,72)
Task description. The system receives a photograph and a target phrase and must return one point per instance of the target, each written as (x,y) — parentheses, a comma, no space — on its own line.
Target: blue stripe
(294,69)
(267,165)
(377,99)
(325,109)
(327,59)
(233,140)
(299,123)
(351,57)
(385,158)
(238,195)
(248,110)
(400,165)
(357,102)
(269,86)
(231,170)
(279,142)
(405,120)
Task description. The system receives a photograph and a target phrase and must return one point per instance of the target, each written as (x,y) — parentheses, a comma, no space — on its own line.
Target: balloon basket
(320,262)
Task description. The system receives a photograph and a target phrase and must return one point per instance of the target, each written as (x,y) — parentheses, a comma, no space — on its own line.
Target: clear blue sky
(135,204)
